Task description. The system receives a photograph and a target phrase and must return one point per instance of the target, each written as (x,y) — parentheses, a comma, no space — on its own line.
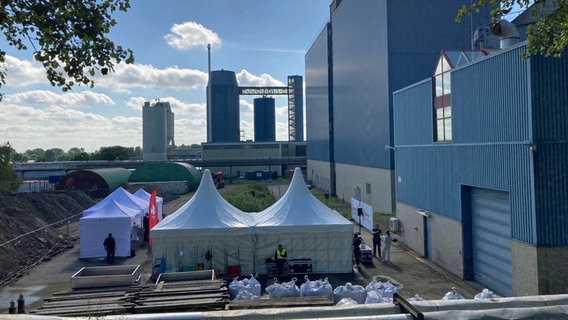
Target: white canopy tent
(126,199)
(207,222)
(144,195)
(307,228)
(94,228)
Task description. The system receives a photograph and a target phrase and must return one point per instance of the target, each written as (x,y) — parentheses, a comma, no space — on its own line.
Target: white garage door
(491,219)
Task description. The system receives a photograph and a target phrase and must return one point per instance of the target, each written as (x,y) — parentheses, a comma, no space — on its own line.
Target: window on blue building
(447,61)
(442,100)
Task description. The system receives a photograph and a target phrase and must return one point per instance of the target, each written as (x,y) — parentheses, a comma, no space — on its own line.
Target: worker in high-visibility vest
(280,256)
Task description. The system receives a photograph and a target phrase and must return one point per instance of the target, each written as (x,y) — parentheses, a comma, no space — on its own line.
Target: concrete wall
(525,269)
(552,270)
(381,195)
(318,173)
(446,237)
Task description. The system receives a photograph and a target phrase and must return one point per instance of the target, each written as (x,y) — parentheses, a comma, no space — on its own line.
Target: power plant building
(368,50)
(157,130)
(223,119)
(264,120)
(472,141)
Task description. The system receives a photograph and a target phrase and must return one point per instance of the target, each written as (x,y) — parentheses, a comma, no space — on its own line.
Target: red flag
(153,214)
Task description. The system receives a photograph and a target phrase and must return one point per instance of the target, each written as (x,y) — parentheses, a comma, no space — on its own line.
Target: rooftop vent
(507,32)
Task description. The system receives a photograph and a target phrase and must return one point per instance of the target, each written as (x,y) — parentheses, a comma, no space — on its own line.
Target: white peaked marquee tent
(126,199)
(142,194)
(207,222)
(307,228)
(110,218)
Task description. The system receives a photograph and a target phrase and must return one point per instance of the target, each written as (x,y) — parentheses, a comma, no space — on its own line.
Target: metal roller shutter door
(491,226)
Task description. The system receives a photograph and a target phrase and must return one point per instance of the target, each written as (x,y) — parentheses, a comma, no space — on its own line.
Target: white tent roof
(206,210)
(144,195)
(298,207)
(113,209)
(126,199)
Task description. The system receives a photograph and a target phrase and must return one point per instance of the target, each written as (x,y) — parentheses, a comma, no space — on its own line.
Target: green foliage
(78,154)
(111,153)
(68,37)
(9,180)
(250,197)
(548,36)
(54,154)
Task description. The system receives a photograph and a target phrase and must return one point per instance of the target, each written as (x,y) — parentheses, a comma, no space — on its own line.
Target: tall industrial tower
(157,130)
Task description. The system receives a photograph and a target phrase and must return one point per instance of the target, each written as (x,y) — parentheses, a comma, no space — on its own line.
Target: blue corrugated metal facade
(549,87)
(375,48)
(318,119)
(379,47)
(509,119)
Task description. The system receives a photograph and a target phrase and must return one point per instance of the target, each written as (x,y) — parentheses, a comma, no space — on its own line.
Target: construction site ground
(410,272)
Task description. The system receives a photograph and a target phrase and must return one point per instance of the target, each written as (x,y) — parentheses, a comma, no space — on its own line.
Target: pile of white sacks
(375,292)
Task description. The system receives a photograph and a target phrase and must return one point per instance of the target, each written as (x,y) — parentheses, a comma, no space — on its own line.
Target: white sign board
(366,217)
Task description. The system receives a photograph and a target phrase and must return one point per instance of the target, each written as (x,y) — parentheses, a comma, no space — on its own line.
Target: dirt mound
(32,227)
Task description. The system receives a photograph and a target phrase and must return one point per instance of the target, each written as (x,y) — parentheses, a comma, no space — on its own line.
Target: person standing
(134,233)
(357,249)
(376,241)
(387,246)
(280,255)
(110,247)
(146,222)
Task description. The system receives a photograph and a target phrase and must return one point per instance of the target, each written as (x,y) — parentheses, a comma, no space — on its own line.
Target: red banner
(153,214)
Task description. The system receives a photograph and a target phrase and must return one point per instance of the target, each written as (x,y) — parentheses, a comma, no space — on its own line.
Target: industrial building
(368,50)
(225,145)
(157,130)
(237,159)
(223,117)
(489,202)
(473,141)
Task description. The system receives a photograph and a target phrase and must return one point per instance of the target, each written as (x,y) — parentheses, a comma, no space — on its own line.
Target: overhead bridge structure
(43,170)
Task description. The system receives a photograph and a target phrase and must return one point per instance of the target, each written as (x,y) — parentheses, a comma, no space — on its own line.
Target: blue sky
(262,41)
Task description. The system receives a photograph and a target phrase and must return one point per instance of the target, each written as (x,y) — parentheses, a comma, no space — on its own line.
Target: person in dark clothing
(146,223)
(280,255)
(376,241)
(357,249)
(110,247)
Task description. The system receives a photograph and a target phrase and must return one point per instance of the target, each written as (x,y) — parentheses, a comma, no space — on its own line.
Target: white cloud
(55,127)
(190,131)
(246,107)
(189,35)
(136,103)
(196,110)
(245,78)
(20,73)
(44,97)
(130,76)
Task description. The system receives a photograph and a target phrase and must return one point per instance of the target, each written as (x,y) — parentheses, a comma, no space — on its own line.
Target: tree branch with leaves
(68,37)
(548,36)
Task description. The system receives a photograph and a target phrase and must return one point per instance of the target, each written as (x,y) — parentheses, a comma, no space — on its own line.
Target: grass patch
(250,197)
(254,196)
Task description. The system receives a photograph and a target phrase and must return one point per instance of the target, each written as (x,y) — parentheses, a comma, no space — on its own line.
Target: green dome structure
(165,172)
(96,182)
